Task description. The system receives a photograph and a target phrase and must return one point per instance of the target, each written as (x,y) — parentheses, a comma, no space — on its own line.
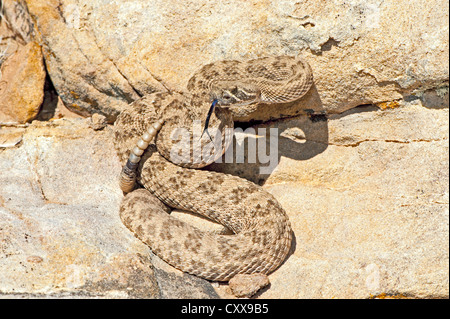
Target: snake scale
(261,230)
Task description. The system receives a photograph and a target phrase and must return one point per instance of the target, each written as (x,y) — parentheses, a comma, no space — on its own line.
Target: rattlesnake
(262,233)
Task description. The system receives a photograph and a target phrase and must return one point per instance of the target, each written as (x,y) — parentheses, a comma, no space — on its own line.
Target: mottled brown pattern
(262,233)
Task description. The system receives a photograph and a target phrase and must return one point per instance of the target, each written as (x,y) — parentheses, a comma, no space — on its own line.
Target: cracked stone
(60,231)
(356,212)
(117,53)
(366,190)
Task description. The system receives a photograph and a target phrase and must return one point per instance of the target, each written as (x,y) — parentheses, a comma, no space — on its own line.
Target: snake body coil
(262,233)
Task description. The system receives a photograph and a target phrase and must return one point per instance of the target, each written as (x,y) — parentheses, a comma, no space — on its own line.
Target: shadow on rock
(258,147)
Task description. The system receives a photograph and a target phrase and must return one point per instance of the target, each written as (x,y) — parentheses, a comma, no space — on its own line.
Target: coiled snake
(262,233)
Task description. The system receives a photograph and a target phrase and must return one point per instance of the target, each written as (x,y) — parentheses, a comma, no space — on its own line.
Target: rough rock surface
(103,54)
(22,71)
(367,195)
(370,211)
(60,232)
(21,83)
(366,188)
(366,192)
(243,285)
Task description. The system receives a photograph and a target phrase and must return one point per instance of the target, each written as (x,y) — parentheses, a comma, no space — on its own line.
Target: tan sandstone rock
(367,195)
(103,54)
(22,73)
(379,196)
(18,20)
(366,188)
(247,285)
(22,84)
(60,231)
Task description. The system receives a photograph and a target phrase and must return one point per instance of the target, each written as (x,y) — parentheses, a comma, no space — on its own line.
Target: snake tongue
(208,117)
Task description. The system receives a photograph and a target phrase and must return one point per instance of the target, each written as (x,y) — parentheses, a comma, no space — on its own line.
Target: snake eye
(226,96)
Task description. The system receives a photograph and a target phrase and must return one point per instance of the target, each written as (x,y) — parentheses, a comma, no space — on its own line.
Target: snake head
(232,93)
